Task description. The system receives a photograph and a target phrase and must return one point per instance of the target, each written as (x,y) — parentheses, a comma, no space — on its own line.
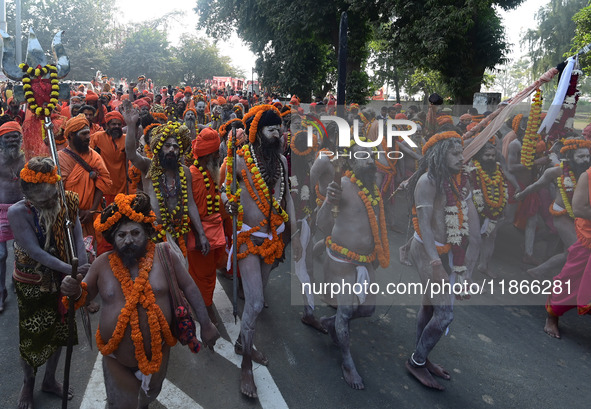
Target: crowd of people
(148,176)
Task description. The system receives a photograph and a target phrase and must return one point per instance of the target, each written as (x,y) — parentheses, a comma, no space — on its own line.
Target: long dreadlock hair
(435,164)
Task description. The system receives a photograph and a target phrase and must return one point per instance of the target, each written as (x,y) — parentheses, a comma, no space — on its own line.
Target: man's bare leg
(530,236)
(144,399)
(25,400)
(487,249)
(121,384)
(3,257)
(403,253)
(551,327)
(252,280)
(310,319)
(566,230)
(50,384)
(549,267)
(433,319)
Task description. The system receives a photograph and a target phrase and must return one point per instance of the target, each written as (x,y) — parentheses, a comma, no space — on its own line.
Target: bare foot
(403,255)
(530,259)
(25,400)
(423,376)
(487,272)
(57,389)
(437,370)
(312,321)
(551,327)
(93,307)
(247,386)
(256,356)
(352,377)
(328,323)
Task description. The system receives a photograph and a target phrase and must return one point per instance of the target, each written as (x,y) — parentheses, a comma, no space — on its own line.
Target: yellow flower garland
(30,96)
(531,138)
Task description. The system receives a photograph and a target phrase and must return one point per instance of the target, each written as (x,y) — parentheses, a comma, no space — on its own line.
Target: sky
(134,11)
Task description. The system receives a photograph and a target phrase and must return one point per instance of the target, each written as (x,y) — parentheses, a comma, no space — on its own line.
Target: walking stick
(234,233)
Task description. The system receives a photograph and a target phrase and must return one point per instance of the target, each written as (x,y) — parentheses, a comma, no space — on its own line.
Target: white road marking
(270,397)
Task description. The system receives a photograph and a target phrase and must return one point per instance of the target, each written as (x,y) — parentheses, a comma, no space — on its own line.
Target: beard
(579,168)
(214,170)
(268,153)
(81,145)
(12,151)
(115,133)
(367,175)
(168,161)
(47,218)
(489,166)
(131,253)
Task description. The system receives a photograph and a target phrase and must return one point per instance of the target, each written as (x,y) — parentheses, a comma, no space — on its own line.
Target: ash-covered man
(12,161)
(39,225)
(445,245)
(133,285)
(267,206)
(360,232)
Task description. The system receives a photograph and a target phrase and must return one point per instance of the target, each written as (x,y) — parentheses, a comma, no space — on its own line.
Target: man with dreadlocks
(39,224)
(133,282)
(576,161)
(490,196)
(357,243)
(167,180)
(445,244)
(262,178)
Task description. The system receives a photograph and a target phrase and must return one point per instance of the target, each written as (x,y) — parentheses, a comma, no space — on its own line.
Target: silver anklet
(412,358)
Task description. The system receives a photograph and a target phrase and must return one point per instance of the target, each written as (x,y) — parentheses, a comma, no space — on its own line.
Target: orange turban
(208,141)
(444,119)
(190,109)
(114,115)
(400,116)
(141,103)
(75,124)
(221,100)
(466,117)
(91,96)
(178,96)
(188,90)
(11,126)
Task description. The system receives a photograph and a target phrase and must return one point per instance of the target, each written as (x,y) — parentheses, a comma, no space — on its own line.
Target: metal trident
(35,55)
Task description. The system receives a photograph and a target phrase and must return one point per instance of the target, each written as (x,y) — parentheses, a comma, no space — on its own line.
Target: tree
(459,39)
(582,37)
(87,25)
(297,42)
(514,76)
(552,38)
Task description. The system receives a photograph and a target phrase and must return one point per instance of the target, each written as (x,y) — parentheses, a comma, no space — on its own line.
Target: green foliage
(88,31)
(550,41)
(459,39)
(297,42)
(582,37)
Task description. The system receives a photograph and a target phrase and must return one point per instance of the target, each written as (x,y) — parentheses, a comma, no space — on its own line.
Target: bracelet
(79,295)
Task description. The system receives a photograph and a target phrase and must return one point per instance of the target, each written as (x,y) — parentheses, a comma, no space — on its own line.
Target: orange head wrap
(11,126)
(114,115)
(444,119)
(571,144)
(190,109)
(221,100)
(400,116)
(208,141)
(440,137)
(75,124)
(188,90)
(91,96)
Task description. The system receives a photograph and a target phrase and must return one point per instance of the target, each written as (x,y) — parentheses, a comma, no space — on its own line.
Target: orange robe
(77,180)
(203,268)
(94,128)
(113,154)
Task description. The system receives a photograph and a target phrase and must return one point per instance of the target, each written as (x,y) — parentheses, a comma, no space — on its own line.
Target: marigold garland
(138,292)
(349,254)
(211,194)
(320,198)
(30,96)
(531,138)
(29,176)
(439,137)
(493,190)
(81,301)
(567,182)
(310,149)
(574,144)
(123,203)
(516,122)
(257,113)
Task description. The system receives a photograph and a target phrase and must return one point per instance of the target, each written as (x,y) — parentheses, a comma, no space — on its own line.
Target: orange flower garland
(567,189)
(257,113)
(319,196)
(494,191)
(531,138)
(516,122)
(138,291)
(308,151)
(415,222)
(211,194)
(439,137)
(80,301)
(29,176)
(574,144)
(123,203)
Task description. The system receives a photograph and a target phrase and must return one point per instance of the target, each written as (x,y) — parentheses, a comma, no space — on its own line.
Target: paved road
(498,355)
